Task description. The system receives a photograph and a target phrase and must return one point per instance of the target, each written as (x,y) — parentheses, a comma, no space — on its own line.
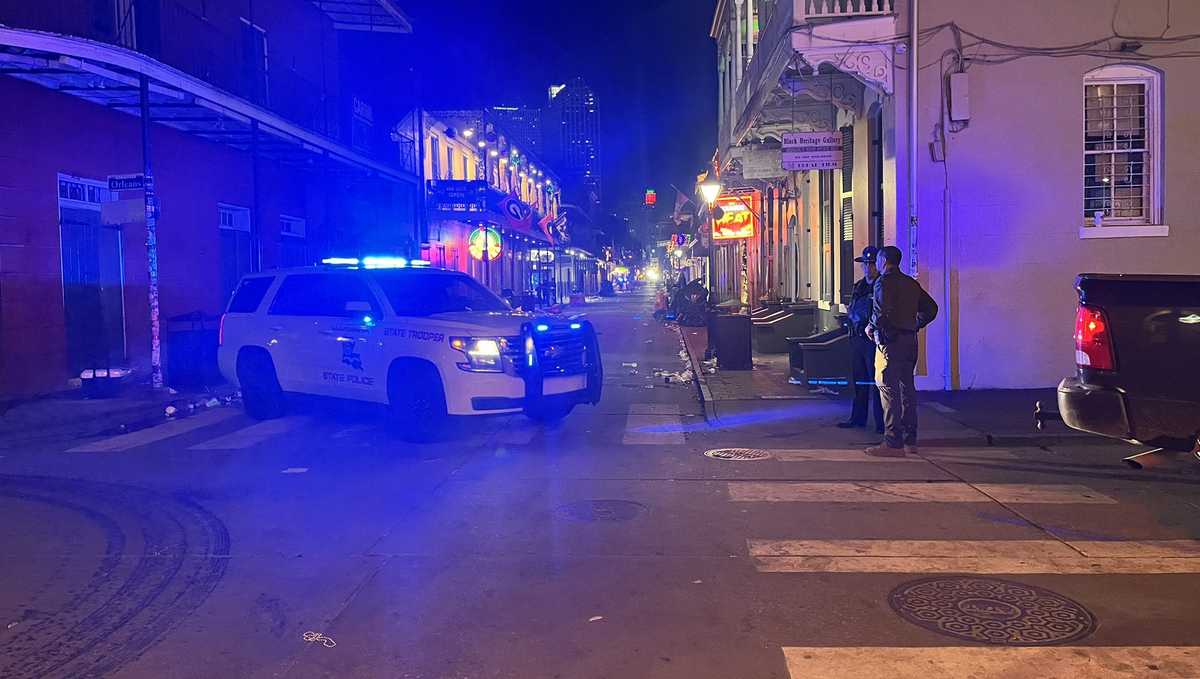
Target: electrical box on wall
(960,97)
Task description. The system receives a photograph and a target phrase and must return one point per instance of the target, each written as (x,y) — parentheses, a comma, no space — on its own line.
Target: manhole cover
(738,454)
(992,611)
(602,510)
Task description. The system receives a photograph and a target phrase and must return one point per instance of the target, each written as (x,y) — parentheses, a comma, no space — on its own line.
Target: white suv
(427,342)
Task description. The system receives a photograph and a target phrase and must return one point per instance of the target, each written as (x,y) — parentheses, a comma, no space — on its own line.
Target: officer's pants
(895,364)
(862,371)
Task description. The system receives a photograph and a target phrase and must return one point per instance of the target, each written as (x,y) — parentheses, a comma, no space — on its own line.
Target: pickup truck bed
(1150,394)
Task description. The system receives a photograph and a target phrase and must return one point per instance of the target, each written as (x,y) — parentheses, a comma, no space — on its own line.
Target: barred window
(1120,147)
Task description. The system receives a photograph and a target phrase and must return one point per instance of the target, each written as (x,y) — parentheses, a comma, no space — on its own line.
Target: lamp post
(710,190)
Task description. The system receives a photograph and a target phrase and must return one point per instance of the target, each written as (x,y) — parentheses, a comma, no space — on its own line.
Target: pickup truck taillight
(1093,340)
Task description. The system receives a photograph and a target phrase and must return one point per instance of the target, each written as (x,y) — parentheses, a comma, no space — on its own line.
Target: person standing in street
(901,308)
(862,357)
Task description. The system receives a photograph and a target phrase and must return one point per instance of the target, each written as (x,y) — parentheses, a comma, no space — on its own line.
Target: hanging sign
(482,239)
(736,218)
(812,151)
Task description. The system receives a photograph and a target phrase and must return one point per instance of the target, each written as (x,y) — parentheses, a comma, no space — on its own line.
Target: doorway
(93,278)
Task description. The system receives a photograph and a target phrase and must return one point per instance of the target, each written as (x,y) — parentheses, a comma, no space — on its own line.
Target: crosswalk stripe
(641,430)
(831,455)
(975,556)
(157,433)
(985,662)
(248,437)
(654,409)
(867,491)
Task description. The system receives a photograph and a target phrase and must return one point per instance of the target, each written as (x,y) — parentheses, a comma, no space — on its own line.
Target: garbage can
(821,360)
(730,337)
(191,348)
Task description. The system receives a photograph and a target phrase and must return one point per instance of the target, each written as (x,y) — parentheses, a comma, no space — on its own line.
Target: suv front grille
(561,353)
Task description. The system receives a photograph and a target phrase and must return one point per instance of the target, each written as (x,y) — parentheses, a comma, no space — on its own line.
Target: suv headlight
(483,354)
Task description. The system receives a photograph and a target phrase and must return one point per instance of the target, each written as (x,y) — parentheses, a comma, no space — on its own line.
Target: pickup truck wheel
(548,413)
(261,393)
(417,401)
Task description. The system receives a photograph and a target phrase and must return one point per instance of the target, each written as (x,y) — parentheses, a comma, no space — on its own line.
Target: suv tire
(261,394)
(548,412)
(417,401)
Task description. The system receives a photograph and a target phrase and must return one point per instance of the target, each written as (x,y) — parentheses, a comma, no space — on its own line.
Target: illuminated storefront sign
(484,238)
(736,217)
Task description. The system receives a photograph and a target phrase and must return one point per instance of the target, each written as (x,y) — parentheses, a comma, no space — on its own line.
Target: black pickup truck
(1137,347)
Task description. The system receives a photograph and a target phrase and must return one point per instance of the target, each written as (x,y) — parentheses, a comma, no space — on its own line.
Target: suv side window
(321,294)
(249,294)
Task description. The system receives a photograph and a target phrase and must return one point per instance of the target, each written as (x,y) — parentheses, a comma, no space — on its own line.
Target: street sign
(128,211)
(812,151)
(126,182)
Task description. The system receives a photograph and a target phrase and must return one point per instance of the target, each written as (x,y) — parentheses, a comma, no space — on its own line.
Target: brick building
(259,159)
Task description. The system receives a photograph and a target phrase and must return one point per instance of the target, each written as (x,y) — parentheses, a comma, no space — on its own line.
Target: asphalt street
(608,546)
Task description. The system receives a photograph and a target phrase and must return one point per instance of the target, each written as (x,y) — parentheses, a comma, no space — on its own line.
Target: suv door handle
(275,328)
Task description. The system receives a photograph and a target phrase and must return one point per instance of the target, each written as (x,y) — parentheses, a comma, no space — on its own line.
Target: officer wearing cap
(862,360)
(901,309)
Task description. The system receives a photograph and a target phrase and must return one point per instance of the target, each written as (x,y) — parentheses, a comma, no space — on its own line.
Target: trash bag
(691,305)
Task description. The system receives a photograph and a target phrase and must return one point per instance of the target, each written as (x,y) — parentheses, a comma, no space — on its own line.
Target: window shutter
(847,159)
(847,218)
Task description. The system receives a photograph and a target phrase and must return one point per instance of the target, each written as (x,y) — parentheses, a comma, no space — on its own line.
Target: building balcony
(803,35)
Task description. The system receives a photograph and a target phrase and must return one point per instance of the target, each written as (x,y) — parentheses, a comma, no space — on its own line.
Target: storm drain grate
(738,454)
(602,510)
(992,611)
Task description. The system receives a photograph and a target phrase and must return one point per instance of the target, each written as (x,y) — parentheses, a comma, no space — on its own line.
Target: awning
(377,16)
(109,76)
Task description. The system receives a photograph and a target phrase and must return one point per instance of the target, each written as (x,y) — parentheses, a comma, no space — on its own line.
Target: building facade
(572,133)
(523,124)
(1032,162)
(493,210)
(221,124)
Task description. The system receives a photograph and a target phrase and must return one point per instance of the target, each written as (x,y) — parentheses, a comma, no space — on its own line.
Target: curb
(702,390)
(79,427)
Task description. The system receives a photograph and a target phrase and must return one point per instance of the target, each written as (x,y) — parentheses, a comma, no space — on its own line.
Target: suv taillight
(221,331)
(1093,339)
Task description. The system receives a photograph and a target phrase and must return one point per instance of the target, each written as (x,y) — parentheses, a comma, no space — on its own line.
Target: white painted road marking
(986,662)
(654,409)
(154,434)
(248,437)
(867,491)
(831,455)
(642,429)
(975,556)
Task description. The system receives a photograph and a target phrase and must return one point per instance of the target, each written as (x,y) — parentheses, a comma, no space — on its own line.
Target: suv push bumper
(559,363)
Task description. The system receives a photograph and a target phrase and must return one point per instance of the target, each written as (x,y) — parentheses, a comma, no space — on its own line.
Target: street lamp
(709,190)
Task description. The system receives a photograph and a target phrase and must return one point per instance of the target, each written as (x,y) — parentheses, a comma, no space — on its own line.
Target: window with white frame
(292,226)
(1122,142)
(293,246)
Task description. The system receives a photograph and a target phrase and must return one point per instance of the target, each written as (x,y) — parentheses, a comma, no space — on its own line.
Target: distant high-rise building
(523,124)
(571,127)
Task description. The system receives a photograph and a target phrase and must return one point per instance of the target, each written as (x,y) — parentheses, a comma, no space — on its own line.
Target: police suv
(428,343)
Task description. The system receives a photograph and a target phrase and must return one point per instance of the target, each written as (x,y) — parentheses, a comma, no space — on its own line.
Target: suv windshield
(424,294)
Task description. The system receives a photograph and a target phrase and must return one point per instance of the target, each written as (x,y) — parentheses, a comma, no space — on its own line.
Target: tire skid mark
(131,600)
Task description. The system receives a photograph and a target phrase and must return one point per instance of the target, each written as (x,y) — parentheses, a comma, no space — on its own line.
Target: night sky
(651,63)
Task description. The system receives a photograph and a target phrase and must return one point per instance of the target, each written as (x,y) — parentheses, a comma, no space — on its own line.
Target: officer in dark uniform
(862,358)
(901,309)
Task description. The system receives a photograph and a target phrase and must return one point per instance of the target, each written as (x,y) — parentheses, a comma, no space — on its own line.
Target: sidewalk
(988,418)
(29,423)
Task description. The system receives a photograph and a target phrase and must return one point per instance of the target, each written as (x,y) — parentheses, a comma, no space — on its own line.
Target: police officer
(862,359)
(901,309)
